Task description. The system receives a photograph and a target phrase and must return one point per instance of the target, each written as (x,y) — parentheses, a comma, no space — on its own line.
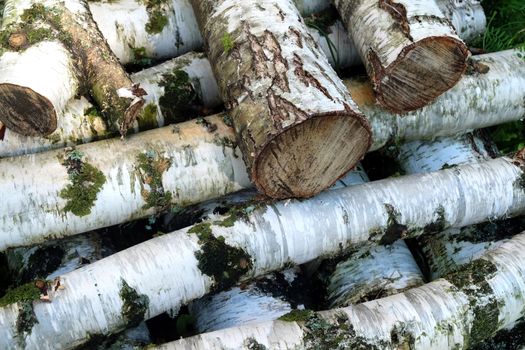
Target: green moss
(472,279)
(42,262)
(210,127)
(148,117)
(140,57)
(252,344)
(340,334)
(134,305)
(157,19)
(156,23)
(25,320)
(179,99)
(227,43)
(23,293)
(224,263)
(439,224)
(86,183)
(93,111)
(151,166)
(38,23)
(237,212)
(392,232)
(297,316)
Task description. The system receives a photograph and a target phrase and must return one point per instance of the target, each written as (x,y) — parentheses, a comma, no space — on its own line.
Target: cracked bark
(410,49)
(72,58)
(296,124)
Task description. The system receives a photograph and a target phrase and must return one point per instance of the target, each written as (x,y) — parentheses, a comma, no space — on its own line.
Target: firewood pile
(268,174)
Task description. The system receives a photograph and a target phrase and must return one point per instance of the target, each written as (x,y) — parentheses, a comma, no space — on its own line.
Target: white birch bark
(447,250)
(283,97)
(244,305)
(410,49)
(472,104)
(68,45)
(482,100)
(173,269)
(200,165)
(77,125)
(252,303)
(478,101)
(467,17)
(455,312)
(372,272)
(123,24)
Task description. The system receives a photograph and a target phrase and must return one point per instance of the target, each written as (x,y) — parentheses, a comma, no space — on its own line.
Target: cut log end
(25,111)
(311,156)
(422,72)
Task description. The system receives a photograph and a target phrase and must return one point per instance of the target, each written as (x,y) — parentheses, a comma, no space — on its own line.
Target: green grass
(505,30)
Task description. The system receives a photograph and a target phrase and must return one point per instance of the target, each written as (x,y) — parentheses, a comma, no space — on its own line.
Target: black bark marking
(307,78)
(399,14)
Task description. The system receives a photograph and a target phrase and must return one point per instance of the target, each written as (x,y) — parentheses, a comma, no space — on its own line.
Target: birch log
(410,49)
(169,271)
(58,42)
(178,90)
(297,127)
(123,181)
(267,298)
(370,273)
(447,250)
(480,100)
(123,23)
(456,312)
(160,30)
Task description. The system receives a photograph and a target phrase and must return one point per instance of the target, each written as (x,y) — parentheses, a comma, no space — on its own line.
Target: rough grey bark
(296,124)
(410,49)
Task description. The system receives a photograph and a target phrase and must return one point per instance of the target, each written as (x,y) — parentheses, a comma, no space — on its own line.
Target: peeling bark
(296,125)
(456,312)
(173,269)
(76,59)
(410,49)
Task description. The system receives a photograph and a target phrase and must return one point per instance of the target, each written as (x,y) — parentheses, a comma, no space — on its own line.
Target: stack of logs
(260,136)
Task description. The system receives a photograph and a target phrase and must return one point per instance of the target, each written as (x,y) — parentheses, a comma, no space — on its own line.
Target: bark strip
(296,125)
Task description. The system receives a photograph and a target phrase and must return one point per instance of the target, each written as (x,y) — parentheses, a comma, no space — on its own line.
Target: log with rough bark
(296,125)
(169,271)
(410,49)
(53,52)
(455,312)
(449,116)
(504,73)
(127,25)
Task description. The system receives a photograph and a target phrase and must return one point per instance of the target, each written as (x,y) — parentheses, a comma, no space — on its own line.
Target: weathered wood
(410,49)
(61,42)
(296,125)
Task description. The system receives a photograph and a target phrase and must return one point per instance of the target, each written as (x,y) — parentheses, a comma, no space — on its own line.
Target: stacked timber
(221,190)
